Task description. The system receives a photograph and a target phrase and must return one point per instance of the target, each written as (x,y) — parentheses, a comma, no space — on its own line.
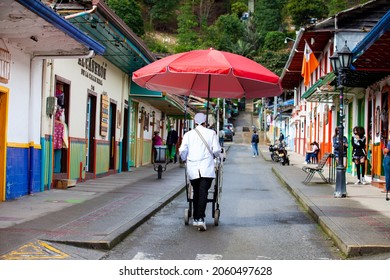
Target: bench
(317,169)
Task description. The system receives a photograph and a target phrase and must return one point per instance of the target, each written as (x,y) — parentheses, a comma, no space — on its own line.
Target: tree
(274,41)
(130,12)
(162,14)
(302,12)
(187,37)
(268,15)
(226,31)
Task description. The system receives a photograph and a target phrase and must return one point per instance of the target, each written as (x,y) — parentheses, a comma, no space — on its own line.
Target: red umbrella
(209,73)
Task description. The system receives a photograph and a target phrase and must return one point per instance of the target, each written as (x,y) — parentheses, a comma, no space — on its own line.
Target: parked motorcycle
(279,153)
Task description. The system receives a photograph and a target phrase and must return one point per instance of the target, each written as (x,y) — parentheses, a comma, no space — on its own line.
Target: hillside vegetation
(173,26)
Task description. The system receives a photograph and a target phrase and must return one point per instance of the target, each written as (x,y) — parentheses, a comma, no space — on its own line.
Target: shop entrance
(3,139)
(90,128)
(125,140)
(112,130)
(60,135)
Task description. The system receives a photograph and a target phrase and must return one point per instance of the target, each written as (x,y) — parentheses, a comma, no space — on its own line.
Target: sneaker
(305,162)
(195,223)
(253,156)
(358,182)
(201,225)
(364,181)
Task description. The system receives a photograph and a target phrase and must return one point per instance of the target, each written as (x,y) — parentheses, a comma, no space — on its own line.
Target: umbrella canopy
(210,74)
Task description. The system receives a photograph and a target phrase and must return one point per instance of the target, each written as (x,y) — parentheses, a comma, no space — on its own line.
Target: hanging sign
(104,115)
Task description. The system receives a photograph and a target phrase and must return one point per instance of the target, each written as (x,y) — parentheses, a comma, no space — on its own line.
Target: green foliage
(302,11)
(243,48)
(162,14)
(274,41)
(154,44)
(274,61)
(238,8)
(268,15)
(226,31)
(187,29)
(130,12)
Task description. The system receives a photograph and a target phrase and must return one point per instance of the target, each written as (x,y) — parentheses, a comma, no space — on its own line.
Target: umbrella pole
(208,100)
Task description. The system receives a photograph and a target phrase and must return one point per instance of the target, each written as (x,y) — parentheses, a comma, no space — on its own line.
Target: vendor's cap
(200,118)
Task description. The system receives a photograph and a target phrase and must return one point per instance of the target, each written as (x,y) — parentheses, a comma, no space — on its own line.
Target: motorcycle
(279,153)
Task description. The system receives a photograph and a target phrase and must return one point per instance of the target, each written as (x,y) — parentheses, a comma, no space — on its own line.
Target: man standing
(172,138)
(199,147)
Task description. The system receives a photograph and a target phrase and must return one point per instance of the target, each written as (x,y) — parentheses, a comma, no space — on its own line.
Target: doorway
(125,140)
(61,128)
(90,129)
(112,130)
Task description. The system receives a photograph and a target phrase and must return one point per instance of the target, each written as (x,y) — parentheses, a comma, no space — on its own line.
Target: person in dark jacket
(255,143)
(359,154)
(336,146)
(172,138)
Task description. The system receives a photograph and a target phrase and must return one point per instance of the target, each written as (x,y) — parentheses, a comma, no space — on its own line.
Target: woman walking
(359,153)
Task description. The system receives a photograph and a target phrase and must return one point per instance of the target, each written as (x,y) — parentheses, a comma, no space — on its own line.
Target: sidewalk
(99,213)
(359,224)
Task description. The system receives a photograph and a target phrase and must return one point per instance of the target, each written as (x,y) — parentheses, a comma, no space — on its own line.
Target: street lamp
(341,61)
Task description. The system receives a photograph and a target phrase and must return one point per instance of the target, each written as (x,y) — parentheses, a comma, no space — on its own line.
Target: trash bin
(160,156)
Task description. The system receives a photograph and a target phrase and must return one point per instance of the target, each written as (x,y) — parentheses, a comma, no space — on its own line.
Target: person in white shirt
(199,158)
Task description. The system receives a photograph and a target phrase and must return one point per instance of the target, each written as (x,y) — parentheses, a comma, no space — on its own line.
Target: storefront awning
(325,91)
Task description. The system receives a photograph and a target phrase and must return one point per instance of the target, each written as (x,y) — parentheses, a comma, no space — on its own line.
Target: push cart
(214,195)
(160,160)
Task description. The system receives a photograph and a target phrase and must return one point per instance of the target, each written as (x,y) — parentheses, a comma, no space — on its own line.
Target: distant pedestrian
(172,139)
(359,153)
(386,166)
(336,146)
(157,141)
(255,143)
(221,136)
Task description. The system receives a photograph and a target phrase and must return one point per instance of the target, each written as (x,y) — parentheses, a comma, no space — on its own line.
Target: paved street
(98,214)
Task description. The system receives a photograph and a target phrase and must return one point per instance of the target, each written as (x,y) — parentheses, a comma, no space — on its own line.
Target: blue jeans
(386,165)
(309,156)
(255,149)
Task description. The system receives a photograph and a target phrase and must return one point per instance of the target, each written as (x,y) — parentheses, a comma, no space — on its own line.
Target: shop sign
(5,66)
(93,70)
(104,115)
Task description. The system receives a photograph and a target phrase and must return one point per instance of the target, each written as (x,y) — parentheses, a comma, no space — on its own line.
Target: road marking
(37,250)
(144,256)
(208,257)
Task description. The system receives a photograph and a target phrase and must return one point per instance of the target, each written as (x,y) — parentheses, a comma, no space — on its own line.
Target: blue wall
(19,181)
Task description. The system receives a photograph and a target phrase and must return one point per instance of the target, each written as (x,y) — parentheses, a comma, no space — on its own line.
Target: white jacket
(200,162)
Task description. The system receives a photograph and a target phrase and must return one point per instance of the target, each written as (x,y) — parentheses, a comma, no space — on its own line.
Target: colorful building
(316,113)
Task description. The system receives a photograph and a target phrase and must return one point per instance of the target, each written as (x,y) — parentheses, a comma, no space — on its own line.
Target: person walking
(255,143)
(386,166)
(198,148)
(359,154)
(221,135)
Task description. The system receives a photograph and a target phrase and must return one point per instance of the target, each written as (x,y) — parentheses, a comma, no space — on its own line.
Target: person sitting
(312,153)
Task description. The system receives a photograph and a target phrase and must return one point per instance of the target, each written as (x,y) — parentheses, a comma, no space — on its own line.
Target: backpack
(255,138)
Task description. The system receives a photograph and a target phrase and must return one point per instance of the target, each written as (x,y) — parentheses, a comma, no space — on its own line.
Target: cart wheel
(159,171)
(186,217)
(216,217)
